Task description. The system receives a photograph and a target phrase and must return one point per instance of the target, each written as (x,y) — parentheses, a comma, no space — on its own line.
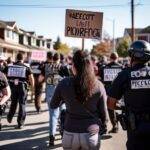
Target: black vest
(137,94)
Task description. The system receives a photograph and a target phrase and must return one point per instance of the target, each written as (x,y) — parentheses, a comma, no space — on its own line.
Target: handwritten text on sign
(83,24)
(38,55)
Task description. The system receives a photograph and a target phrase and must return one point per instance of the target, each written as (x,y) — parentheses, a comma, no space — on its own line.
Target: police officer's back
(134,84)
(19,75)
(109,72)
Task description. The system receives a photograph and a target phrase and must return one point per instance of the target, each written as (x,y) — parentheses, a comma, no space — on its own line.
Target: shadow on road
(24,133)
(105,137)
(31,144)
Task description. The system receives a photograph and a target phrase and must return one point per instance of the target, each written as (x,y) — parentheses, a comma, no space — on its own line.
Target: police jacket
(109,72)
(134,84)
(18,73)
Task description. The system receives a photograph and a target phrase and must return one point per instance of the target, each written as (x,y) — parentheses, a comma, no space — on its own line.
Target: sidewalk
(34,136)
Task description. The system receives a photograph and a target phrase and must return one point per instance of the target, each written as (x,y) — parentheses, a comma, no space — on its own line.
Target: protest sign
(83,24)
(38,55)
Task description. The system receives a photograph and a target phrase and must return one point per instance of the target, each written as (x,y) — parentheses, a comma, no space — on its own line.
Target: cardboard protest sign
(83,24)
(38,55)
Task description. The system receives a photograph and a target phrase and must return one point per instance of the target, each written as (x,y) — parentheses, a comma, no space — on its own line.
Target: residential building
(140,33)
(14,39)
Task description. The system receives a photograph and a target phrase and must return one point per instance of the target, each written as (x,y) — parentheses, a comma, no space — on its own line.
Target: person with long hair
(85,99)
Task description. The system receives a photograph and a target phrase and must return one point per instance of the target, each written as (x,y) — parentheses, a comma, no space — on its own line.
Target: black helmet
(140,49)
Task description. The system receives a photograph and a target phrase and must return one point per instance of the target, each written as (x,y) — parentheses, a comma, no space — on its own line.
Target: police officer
(4,95)
(134,84)
(51,74)
(19,75)
(36,68)
(108,73)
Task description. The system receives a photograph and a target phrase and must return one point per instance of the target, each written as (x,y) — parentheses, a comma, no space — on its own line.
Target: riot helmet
(140,50)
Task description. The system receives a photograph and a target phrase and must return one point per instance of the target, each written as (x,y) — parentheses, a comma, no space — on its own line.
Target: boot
(114,130)
(51,140)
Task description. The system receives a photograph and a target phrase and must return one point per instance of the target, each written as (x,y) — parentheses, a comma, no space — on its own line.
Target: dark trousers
(113,118)
(18,96)
(38,93)
(137,141)
(1,113)
(2,110)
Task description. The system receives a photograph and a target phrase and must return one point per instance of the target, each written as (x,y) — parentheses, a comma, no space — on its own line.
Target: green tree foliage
(57,44)
(122,47)
(61,47)
(64,49)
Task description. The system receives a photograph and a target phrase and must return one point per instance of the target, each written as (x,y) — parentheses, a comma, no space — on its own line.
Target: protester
(4,95)
(94,62)
(2,63)
(85,100)
(36,68)
(51,74)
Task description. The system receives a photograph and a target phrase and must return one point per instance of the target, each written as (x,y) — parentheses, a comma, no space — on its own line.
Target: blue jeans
(53,113)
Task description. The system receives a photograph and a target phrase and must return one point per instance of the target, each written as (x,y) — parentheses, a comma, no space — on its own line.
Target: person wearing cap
(108,74)
(134,84)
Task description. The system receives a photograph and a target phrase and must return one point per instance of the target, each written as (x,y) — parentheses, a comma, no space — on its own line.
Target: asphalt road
(34,136)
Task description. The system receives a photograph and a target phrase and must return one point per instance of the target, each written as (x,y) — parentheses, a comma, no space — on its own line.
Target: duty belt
(143,117)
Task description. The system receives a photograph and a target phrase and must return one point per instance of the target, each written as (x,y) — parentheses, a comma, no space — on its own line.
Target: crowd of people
(78,90)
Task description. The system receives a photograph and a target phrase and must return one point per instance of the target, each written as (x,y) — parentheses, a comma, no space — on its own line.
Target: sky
(50,21)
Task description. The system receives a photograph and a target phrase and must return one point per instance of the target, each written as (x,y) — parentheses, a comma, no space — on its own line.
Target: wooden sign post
(83,44)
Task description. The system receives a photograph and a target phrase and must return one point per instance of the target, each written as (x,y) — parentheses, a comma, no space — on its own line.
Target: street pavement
(34,136)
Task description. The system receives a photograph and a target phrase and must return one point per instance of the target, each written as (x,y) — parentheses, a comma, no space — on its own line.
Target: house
(140,33)
(14,39)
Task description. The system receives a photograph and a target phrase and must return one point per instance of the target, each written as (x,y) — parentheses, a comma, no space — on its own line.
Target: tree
(102,48)
(64,49)
(57,44)
(123,46)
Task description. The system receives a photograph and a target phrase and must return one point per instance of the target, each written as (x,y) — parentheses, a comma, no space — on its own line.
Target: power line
(49,6)
(71,6)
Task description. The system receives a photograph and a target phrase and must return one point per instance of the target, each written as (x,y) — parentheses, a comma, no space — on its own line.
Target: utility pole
(132,20)
(114,43)
(113,30)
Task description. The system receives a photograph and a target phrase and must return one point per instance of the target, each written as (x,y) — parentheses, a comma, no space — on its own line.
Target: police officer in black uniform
(134,84)
(108,73)
(4,95)
(19,75)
